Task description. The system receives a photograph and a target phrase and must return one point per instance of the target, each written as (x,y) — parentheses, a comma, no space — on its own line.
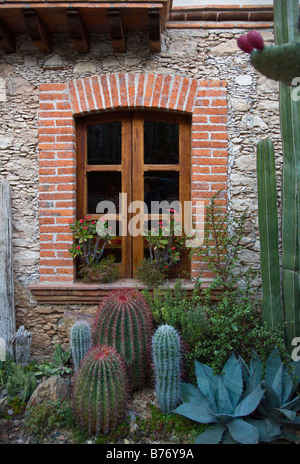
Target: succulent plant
(21,383)
(279,404)
(272,309)
(166,354)
(282,62)
(124,321)
(80,341)
(100,390)
(222,401)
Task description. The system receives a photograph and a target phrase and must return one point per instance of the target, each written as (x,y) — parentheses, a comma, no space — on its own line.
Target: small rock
(53,389)
(10,412)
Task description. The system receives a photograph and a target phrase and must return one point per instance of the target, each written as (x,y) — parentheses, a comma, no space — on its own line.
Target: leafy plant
(20,384)
(90,239)
(107,270)
(166,241)
(279,405)
(57,365)
(149,274)
(44,418)
(222,401)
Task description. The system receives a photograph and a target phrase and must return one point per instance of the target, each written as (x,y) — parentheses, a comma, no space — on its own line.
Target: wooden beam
(116,31)
(154,30)
(78,31)
(39,33)
(7,38)
(7,305)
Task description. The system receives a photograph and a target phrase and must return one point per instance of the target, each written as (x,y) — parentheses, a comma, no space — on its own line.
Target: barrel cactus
(124,321)
(166,353)
(100,390)
(80,341)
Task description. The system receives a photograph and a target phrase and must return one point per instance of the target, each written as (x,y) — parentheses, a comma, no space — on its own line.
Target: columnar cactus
(166,354)
(281,62)
(268,231)
(124,321)
(80,341)
(100,390)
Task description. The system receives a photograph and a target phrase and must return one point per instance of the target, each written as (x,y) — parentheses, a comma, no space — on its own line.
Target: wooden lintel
(78,31)
(39,33)
(154,30)
(7,38)
(116,31)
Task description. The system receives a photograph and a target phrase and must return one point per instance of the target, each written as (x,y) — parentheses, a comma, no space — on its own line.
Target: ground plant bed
(145,424)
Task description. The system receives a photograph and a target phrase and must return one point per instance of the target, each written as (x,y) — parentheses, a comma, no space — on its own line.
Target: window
(143,154)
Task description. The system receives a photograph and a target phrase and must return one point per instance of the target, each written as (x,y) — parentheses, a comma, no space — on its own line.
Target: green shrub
(149,273)
(48,416)
(211,329)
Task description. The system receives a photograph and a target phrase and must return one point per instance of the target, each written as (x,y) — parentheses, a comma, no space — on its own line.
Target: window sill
(93,293)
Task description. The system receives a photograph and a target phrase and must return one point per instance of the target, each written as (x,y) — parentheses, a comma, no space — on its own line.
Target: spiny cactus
(272,309)
(282,62)
(100,390)
(80,341)
(124,321)
(166,353)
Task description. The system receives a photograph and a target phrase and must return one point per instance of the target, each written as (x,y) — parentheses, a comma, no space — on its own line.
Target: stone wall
(200,54)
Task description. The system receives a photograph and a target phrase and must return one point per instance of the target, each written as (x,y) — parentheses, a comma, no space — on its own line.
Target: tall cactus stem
(268,232)
(166,353)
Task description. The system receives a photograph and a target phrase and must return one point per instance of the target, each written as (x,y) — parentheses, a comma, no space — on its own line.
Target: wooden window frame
(132,163)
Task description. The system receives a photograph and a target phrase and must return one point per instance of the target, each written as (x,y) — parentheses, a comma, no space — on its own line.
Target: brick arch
(60,103)
(109,92)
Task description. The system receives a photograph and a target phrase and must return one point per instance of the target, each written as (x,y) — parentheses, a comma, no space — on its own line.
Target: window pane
(161,186)
(103,186)
(104,143)
(161,143)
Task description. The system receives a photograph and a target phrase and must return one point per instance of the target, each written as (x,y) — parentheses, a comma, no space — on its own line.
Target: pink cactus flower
(244,45)
(255,39)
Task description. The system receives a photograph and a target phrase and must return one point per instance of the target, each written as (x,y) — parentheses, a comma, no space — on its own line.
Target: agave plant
(222,401)
(279,405)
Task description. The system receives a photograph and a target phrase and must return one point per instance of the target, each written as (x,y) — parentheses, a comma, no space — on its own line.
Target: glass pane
(161,143)
(103,186)
(104,143)
(114,248)
(161,186)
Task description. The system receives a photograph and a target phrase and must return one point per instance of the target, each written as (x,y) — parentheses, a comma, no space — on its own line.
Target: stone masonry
(251,104)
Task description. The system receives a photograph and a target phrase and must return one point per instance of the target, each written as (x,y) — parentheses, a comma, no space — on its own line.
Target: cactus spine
(166,353)
(80,341)
(100,393)
(124,321)
(268,232)
(286,20)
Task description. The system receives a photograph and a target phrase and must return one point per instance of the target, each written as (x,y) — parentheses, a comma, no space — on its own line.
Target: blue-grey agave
(223,401)
(279,404)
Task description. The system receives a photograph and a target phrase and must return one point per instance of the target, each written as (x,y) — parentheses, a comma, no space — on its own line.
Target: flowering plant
(90,239)
(166,241)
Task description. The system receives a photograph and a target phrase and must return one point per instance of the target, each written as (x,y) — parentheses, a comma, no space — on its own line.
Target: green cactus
(80,341)
(166,354)
(21,383)
(124,321)
(281,62)
(268,232)
(100,390)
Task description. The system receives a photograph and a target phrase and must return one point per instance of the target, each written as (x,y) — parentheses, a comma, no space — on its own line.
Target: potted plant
(166,241)
(90,240)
